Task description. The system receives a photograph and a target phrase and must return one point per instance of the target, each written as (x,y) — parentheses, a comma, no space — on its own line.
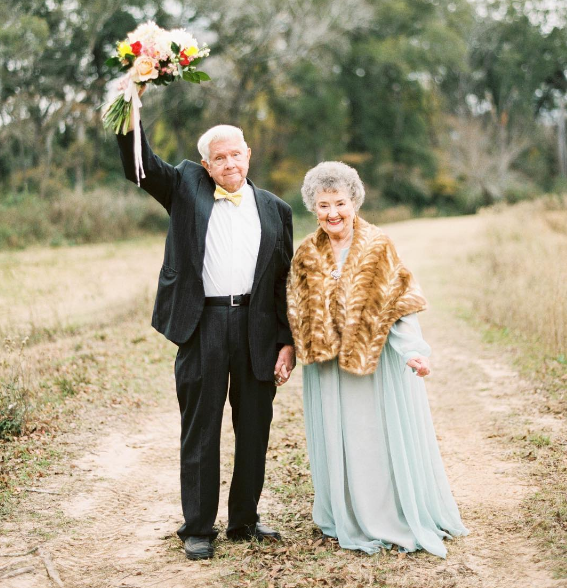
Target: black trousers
(214,361)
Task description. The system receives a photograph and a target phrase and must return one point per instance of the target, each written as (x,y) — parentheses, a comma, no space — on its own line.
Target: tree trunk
(561,145)
(79,165)
(47,162)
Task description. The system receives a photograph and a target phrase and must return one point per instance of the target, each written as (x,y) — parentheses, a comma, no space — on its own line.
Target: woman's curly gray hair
(332,176)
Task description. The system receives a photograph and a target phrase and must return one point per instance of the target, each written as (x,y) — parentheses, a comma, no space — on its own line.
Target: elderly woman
(377,472)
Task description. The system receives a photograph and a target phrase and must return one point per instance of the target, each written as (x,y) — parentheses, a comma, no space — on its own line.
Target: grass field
(523,274)
(92,474)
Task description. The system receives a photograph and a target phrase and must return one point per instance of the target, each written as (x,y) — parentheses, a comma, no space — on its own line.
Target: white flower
(146,33)
(162,47)
(204,51)
(182,38)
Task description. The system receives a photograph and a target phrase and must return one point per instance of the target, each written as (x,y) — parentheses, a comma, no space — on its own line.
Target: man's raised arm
(161,178)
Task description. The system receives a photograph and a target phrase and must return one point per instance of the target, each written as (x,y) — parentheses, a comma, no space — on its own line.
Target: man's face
(229,160)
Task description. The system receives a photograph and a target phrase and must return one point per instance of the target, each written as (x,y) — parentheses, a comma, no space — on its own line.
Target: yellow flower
(190,51)
(124,49)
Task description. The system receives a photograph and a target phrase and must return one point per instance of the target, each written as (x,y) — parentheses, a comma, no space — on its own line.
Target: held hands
(420,365)
(284,365)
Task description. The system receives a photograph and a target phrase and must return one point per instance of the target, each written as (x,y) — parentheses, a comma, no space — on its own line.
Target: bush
(100,215)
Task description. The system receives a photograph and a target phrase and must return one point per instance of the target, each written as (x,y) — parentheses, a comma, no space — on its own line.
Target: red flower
(184,59)
(136,48)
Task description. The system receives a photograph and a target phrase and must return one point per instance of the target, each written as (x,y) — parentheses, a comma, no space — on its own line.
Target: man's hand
(420,365)
(284,365)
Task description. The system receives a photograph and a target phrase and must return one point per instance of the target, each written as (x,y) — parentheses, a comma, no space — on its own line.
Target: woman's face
(335,213)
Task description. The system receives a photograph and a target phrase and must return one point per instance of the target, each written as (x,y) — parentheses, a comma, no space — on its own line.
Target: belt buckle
(232,303)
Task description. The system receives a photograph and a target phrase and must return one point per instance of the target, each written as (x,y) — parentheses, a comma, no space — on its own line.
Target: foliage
(438,103)
(78,218)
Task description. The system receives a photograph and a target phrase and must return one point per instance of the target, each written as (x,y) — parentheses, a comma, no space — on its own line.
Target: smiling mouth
(335,221)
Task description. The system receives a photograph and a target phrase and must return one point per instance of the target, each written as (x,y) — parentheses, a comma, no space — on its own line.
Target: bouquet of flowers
(150,55)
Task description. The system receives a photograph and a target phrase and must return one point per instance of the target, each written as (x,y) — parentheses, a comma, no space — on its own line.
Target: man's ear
(205,164)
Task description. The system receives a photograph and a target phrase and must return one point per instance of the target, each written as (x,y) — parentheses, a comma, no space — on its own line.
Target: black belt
(233,300)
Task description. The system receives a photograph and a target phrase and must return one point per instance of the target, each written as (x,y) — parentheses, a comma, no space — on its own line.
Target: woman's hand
(420,365)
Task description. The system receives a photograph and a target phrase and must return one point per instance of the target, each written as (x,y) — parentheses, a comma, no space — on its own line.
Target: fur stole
(349,317)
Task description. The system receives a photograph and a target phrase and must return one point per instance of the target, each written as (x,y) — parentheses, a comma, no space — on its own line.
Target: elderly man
(221,298)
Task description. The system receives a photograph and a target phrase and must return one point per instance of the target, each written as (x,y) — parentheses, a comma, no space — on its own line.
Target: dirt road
(108,510)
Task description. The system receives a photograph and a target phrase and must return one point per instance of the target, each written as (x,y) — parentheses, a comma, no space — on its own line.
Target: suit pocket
(166,293)
(168,271)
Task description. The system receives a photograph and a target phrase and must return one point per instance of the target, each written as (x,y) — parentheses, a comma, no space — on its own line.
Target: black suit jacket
(186,191)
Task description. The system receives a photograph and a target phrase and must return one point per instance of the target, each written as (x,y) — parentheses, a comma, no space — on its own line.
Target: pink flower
(145,69)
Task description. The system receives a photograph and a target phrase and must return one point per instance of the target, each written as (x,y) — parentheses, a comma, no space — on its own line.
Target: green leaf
(175,48)
(113,62)
(190,76)
(203,77)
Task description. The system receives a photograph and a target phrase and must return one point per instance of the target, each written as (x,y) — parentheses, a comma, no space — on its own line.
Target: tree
(393,78)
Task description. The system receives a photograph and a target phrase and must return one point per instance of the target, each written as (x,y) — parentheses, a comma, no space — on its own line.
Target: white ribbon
(131,94)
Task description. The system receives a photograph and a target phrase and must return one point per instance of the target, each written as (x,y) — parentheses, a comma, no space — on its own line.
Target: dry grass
(55,299)
(518,279)
(45,291)
(546,511)
(100,376)
(522,274)
(71,380)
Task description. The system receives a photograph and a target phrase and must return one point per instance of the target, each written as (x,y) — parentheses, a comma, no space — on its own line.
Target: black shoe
(258,531)
(199,547)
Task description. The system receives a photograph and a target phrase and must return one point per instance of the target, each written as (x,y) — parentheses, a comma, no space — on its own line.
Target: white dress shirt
(231,246)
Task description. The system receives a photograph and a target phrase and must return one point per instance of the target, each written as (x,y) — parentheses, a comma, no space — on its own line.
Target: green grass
(539,440)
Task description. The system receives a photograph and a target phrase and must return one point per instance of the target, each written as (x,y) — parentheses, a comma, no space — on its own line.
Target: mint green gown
(377,472)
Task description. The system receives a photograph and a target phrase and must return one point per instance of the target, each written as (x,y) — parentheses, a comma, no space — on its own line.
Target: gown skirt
(377,472)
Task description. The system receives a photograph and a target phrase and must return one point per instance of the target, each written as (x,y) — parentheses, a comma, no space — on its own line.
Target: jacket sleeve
(284,333)
(161,177)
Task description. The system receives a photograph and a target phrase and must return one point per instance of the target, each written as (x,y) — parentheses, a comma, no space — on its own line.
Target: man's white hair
(218,133)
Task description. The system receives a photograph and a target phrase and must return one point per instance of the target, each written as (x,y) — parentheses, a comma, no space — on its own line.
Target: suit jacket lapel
(268,221)
(203,209)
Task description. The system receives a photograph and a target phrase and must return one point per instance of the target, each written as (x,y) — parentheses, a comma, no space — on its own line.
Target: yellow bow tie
(235,198)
